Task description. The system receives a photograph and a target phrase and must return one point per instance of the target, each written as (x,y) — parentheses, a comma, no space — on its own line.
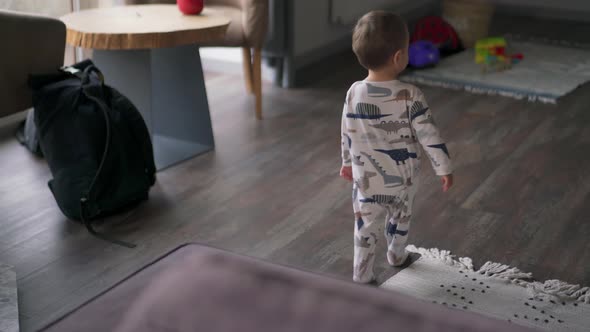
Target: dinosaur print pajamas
(383,124)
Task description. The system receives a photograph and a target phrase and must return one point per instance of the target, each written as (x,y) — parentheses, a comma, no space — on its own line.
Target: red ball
(190,7)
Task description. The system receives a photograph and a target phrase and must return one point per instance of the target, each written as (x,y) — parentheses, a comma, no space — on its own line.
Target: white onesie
(382,124)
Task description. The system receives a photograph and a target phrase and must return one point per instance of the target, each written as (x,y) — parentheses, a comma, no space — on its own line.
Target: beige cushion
(30,45)
(234,35)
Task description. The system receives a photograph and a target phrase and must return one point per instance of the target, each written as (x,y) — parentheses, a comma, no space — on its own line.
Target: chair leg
(257,80)
(247,63)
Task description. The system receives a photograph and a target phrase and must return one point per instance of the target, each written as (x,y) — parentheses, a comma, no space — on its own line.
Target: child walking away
(383,123)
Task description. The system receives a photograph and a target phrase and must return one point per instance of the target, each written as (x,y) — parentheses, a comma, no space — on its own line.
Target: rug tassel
(548,289)
(443,256)
(478,90)
(560,289)
(503,271)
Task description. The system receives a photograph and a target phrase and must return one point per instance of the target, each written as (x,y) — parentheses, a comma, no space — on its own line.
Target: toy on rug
(423,53)
(490,53)
(439,32)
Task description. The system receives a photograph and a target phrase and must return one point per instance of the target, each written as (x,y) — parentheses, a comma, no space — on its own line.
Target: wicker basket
(470,18)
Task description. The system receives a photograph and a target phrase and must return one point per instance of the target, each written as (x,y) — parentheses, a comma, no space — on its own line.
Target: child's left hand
(447,182)
(346,172)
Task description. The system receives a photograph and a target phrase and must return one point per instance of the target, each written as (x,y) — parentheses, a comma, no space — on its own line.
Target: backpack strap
(84,199)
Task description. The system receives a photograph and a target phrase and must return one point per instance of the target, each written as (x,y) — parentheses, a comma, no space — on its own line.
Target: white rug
(8,299)
(548,71)
(494,290)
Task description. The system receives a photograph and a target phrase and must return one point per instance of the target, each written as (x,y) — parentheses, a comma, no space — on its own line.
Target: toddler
(382,123)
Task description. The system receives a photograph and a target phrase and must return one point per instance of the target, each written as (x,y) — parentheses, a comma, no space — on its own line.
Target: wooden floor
(270,190)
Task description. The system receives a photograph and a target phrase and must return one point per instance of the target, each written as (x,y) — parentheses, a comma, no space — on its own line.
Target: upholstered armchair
(249,20)
(31,44)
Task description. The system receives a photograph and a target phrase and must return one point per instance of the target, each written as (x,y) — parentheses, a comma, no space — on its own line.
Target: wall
(348,11)
(577,10)
(313,26)
(53,8)
(572,5)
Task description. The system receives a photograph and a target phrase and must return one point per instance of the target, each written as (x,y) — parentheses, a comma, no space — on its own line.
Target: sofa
(199,288)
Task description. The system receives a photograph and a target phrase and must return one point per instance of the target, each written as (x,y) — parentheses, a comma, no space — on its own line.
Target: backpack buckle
(70,69)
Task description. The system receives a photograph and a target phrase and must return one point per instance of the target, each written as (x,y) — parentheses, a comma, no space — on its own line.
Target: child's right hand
(346,172)
(447,182)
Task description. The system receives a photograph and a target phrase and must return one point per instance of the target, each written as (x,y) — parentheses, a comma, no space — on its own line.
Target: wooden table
(150,54)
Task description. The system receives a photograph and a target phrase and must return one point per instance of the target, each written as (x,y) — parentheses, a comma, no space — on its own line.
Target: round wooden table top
(142,27)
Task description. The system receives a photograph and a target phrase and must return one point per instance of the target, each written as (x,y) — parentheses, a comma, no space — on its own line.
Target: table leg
(168,88)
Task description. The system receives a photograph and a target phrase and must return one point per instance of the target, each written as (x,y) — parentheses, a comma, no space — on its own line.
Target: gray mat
(548,72)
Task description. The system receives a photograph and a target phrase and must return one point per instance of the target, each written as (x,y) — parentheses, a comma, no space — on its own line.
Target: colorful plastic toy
(423,53)
(490,53)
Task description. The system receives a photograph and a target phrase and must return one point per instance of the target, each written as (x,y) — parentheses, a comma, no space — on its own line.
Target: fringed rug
(548,71)
(8,299)
(494,290)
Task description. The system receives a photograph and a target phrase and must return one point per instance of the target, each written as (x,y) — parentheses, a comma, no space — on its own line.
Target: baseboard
(544,12)
(228,60)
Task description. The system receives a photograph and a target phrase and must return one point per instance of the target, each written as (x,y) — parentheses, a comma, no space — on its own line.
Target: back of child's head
(377,36)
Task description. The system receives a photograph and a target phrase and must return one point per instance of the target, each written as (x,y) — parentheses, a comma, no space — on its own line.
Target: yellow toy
(490,53)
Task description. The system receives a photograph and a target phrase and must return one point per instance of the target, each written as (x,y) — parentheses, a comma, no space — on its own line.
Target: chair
(249,20)
(31,44)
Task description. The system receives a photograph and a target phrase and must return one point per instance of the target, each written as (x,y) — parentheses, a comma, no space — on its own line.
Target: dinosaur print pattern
(348,139)
(418,109)
(442,146)
(403,220)
(363,266)
(434,162)
(377,91)
(397,224)
(389,180)
(366,111)
(400,205)
(359,222)
(362,214)
(399,155)
(429,120)
(404,139)
(356,160)
(382,125)
(362,242)
(392,230)
(391,126)
(346,156)
(402,95)
(363,182)
(380,199)
(369,136)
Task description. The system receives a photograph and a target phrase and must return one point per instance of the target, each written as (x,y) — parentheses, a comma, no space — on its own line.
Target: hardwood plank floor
(270,189)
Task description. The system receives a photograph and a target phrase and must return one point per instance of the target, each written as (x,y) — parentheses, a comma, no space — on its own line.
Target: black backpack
(26,134)
(95,142)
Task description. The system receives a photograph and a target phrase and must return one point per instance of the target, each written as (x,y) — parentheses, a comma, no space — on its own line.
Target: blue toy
(423,53)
